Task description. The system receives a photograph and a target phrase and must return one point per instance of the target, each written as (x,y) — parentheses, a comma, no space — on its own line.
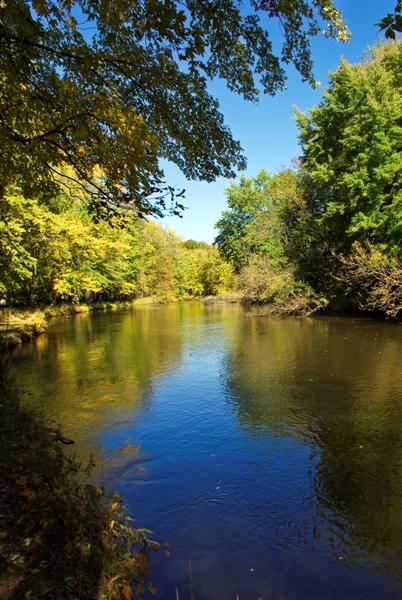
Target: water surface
(267,451)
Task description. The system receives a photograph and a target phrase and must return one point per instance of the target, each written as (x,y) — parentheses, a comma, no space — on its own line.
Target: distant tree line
(54,252)
(329,232)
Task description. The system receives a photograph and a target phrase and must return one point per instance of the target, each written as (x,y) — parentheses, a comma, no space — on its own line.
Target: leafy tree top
(352,151)
(109,88)
(253,221)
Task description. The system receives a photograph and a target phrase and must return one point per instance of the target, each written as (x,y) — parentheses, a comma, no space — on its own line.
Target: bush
(61,537)
(375,279)
(263,282)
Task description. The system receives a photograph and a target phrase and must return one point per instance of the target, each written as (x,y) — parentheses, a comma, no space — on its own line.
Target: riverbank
(228,298)
(61,537)
(20,326)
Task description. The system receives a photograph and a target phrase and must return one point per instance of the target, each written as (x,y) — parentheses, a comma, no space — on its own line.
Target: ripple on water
(267,451)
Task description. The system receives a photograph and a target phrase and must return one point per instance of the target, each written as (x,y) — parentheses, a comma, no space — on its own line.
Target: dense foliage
(56,254)
(352,144)
(110,88)
(330,231)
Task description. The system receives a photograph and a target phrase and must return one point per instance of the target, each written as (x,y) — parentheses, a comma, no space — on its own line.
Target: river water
(267,451)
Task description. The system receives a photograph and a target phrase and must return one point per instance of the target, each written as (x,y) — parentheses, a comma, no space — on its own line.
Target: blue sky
(267,131)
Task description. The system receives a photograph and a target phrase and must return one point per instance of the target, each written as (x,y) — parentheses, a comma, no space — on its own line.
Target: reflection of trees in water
(97,369)
(92,371)
(337,384)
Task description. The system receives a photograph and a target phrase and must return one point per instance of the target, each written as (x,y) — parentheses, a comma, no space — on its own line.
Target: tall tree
(110,88)
(258,217)
(245,201)
(352,153)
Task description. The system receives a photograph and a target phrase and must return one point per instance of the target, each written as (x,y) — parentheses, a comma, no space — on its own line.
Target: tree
(215,274)
(262,234)
(20,225)
(156,262)
(352,153)
(256,221)
(245,200)
(110,88)
(187,282)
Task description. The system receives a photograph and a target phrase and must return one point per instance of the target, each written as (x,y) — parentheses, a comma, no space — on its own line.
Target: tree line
(328,233)
(54,252)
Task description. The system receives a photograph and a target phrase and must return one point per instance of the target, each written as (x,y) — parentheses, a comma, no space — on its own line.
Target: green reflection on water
(100,368)
(337,383)
(334,384)
(96,369)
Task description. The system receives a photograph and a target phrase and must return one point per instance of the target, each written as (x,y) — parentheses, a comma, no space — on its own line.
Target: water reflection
(268,451)
(337,384)
(93,373)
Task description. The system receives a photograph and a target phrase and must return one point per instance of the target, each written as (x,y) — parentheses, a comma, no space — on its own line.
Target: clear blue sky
(267,131)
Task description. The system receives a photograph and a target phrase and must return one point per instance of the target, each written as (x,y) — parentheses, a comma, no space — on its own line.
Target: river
(267,451)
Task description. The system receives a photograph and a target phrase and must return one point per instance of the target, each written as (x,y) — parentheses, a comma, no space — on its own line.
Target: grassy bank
(61,537)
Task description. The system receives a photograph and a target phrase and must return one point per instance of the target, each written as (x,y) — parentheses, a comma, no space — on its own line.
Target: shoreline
(62,535)
(23,324)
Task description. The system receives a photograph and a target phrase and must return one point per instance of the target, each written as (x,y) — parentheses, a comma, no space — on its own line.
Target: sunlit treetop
(111,87)
(352,152)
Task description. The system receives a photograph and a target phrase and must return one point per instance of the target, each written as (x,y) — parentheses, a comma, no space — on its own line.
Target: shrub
(263,282)
(374,278)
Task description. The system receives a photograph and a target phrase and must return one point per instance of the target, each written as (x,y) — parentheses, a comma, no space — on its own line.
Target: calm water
(267,451)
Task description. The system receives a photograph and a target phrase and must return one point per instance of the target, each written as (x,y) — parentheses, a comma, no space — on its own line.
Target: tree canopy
(253,222)
(330,231)
(110,88)
(352,152)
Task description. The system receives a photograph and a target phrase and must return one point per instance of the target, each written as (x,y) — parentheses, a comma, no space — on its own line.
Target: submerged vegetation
(329,232)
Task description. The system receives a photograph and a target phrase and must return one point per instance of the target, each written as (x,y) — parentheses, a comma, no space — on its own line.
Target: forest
(55,252)
(323,235)
(328,233)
